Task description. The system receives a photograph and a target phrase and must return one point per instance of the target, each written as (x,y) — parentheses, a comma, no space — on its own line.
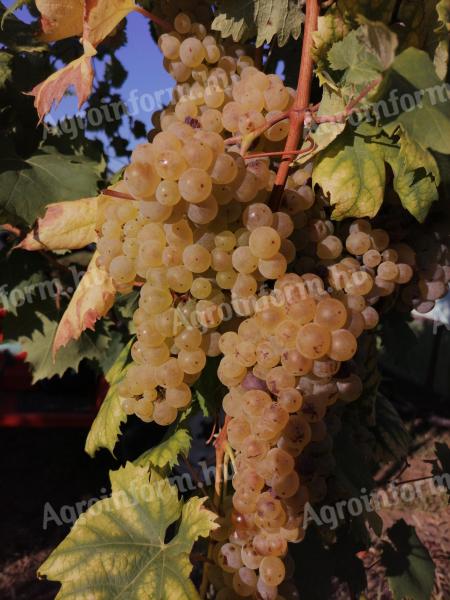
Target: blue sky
(143,61)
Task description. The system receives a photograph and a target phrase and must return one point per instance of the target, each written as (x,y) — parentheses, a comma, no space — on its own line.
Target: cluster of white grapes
(197,236)
(282,370)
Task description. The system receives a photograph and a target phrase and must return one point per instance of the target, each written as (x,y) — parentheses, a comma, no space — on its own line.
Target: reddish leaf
(78,73)
(60,19)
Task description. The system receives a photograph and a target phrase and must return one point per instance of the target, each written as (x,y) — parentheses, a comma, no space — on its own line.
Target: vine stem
(157,20)
(297,115)
(220,445)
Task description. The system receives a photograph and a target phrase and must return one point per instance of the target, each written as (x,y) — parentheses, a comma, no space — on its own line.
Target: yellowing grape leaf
(102,16)
(416,176)
(263,19)
(167,452)
(120,548)
(79,73)
(65,226)
(352,171)
(331,28)
(60,19)
(92,299)
(106,427)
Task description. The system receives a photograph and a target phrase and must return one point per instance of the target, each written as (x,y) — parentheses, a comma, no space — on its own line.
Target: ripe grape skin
(313,341)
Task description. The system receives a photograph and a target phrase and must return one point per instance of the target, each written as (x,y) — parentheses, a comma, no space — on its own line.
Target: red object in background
(16,389)
(17,393)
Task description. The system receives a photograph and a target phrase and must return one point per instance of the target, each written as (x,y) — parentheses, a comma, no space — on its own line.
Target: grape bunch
(431,270)
(282,371)
(197,235)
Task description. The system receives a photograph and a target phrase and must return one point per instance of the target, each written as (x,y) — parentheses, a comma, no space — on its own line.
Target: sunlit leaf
(102,16)
(263,19)
(352,171)
(65,226)
(60,19)
(120,547)
(105,429)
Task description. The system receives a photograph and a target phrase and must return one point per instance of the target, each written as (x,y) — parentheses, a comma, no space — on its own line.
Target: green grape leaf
(29,185)
(349,55)
(363,54)
(106,427)
(263,19)
(409,568)
(120,548)
(352,171)
(166,454)
(419,101)
(416,176)
(325,133)
(38,347)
